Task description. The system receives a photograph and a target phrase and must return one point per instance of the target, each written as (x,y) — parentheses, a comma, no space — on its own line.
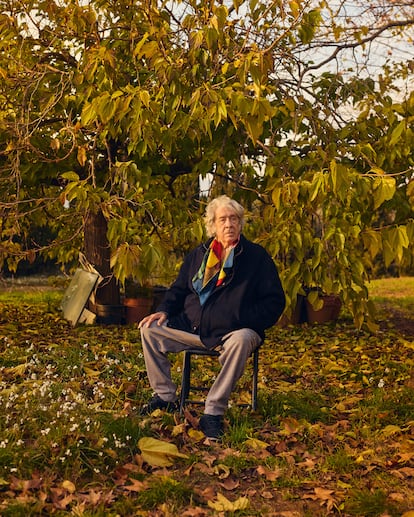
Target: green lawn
(402,287)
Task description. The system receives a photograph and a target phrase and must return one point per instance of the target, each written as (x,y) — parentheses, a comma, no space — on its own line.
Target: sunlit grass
(370,503)
(165,490)
(392,287)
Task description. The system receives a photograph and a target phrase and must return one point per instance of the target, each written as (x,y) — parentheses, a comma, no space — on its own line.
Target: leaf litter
(334,428)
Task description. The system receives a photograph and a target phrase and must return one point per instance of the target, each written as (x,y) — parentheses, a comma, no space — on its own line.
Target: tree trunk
(98,253)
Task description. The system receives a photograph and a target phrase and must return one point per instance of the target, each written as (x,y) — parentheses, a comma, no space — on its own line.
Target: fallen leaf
(254,443)
(222,471)
(195,512)
(91,372)
(93,497)
(16,370)
(266,494)
(222,504)
(323,495)
(178,429)
(396,496)
(405,456)
(389,430)
(158,453)
(192,420)
(270,475)
(135,486)
(69,486)
(230,484)
(62,504)
(407,471)
(208,493)
(290,426)
(308,463)
(196,435)
(209,459)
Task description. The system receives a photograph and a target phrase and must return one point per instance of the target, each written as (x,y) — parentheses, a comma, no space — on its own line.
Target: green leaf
(316,186)
(315,300)
(384,190)
(397,132)
(372,242)
(70,175)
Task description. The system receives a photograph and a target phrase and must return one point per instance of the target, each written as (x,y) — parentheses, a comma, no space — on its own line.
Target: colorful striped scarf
(213,268)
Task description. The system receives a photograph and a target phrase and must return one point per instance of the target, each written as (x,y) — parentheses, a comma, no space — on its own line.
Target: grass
(333,434)
(392,287)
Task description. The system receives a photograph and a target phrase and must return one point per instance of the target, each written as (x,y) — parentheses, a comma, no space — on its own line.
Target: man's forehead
(225,210)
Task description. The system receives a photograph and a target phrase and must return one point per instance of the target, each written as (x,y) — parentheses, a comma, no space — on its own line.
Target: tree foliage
(121,107)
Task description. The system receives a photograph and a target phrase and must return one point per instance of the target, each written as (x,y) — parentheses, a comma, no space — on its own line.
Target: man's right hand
(159,317)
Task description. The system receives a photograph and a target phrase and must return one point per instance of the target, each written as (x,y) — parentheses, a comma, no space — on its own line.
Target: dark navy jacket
(250,297)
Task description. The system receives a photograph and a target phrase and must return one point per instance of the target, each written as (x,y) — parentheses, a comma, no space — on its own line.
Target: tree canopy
(302,110)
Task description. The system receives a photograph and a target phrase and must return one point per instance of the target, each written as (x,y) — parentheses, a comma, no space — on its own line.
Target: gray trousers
(158,341)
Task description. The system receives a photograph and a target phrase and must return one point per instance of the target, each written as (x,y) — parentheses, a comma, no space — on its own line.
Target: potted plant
(321,308)
(138,301)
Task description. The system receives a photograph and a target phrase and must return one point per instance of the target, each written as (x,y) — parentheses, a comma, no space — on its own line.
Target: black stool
(186,386)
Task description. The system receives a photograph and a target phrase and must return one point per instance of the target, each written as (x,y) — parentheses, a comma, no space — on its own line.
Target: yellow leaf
(91,373)
(294,7)
(16,370)
(69,486)
(254,443)
(222,471)
(224,505)
(196,435)
(361,457)
(410,513)
(178,429)
(389,430)
(158,453)
(81,156)
(408,344)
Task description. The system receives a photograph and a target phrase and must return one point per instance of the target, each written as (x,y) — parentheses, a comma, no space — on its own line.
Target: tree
(116,109)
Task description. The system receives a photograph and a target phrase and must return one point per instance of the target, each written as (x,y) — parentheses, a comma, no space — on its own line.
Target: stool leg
(185,380)
(255,378)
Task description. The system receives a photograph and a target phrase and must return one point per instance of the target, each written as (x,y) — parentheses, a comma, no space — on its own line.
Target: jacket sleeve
(269,301)
(173,302)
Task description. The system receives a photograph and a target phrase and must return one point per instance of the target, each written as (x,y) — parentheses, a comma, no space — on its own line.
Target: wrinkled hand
(159,317)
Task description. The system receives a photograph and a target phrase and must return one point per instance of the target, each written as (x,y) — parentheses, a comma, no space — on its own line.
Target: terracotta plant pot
(137,308)
(298,315)
(329,312)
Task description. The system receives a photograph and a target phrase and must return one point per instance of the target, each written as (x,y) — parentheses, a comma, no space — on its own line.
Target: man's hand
(159,317)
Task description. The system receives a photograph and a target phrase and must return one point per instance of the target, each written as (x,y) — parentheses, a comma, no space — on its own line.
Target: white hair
(211,209)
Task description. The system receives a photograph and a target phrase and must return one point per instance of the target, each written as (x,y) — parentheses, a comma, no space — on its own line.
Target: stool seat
(187,387)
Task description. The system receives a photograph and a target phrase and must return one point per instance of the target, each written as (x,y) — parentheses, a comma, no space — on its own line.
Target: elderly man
(226,294)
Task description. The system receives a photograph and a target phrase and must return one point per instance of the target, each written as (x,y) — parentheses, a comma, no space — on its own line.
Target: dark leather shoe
(212,426)
(157,403)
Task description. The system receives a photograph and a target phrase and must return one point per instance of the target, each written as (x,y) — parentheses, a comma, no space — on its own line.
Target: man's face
(228,226)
